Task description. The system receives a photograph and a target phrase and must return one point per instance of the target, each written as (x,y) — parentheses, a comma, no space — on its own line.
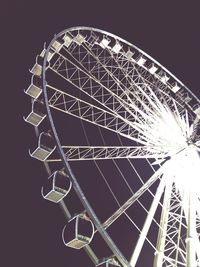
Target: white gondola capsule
(42,54)
(37,114)
(57,45)
(117,47)
(175,87)
(164,78)
(67,40)
(45,147)
(78,232)
(129,54)
(37,68)
(108,263)
(141,60)
(184,95)
(56,187)
(104,43)
(153,68)
(35,88)
(49,56)
(79,39)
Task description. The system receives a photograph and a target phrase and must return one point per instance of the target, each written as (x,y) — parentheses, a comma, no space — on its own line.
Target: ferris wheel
(121,132)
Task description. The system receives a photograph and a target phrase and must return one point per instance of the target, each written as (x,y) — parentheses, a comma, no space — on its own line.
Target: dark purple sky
(168,32)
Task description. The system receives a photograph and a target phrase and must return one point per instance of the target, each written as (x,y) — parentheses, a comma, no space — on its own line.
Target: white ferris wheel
(118,129)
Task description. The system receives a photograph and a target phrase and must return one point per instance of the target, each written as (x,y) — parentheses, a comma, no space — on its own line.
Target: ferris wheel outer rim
(131,45)
(77,187)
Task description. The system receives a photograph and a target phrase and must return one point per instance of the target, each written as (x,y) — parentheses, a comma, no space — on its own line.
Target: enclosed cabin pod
(37,68)
(129,54)
(56,187)
(79,39)
(67,40)
(182,95)
(117,47)
(35,88)
(141,60)
(49,56)
(37,114)
(45,147)
(105,42)
(175,87)
(108,263)
(78,232)
(163,77)
(152,68)
(56,46)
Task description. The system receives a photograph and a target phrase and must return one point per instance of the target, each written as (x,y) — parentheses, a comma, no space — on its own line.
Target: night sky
(169,32)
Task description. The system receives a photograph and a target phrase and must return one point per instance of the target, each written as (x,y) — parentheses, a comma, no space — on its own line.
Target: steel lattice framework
(129,108)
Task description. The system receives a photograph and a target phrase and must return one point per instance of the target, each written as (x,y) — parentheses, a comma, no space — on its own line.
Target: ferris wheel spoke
(105,57)
(90,85)
(138,77)
(95,60)
(68,104)
(148,222)
(113,64)
(134,197)
(191,208)
(137,126)
(78,108)
(103,97)
(106,152)
(81,153)
(123,77)
(114,81)
(170,246)
(85,56)
(172,239)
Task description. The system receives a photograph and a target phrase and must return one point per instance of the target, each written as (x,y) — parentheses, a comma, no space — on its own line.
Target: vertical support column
(147,223)
(158,260)
(191,231)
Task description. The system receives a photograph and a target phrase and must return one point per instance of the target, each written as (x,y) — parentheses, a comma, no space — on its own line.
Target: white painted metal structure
(98,80)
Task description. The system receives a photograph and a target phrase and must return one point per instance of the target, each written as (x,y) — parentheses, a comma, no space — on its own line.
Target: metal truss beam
(74,153)
(81,109)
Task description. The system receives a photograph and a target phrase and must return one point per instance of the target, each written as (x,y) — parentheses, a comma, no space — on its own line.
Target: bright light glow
(167,133)
(170,135)
(161,128)
(184,169)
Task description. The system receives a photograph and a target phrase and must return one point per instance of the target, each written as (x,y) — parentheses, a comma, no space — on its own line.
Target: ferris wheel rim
(59,147)
(67,166)
(129,44)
